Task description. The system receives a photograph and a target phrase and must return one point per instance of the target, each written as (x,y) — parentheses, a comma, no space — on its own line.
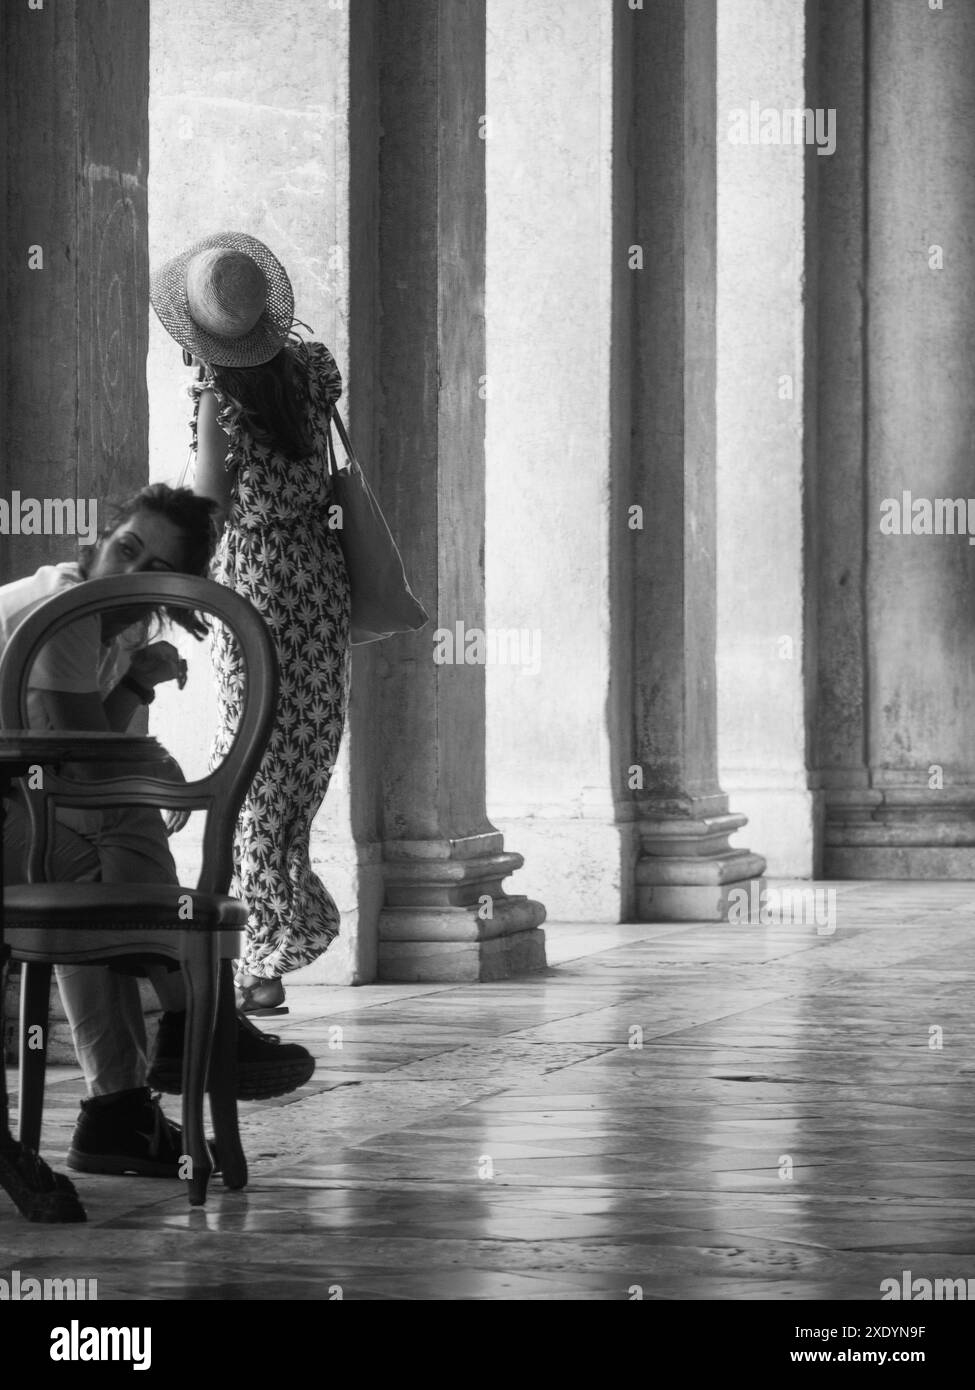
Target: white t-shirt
(76,660)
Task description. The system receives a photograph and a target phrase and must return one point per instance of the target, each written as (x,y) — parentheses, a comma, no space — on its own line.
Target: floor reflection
(671,1112)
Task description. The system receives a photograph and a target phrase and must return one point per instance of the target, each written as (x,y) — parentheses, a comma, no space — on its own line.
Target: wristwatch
(145,692)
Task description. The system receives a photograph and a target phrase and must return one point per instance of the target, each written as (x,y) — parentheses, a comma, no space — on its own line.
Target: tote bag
(382,601)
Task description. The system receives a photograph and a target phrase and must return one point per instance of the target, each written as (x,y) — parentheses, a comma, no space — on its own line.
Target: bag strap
(344,436)
(331,462)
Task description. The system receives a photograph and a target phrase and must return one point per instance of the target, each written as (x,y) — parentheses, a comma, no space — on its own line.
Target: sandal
(263,999)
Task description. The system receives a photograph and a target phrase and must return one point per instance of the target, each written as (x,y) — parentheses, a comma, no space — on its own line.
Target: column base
(687,870)
(900,833)
(447,917)
(462,962)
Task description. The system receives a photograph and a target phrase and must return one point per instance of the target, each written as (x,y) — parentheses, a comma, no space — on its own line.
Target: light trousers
(103,1007)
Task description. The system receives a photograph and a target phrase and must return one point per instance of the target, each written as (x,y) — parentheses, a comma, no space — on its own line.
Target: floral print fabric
(277,550)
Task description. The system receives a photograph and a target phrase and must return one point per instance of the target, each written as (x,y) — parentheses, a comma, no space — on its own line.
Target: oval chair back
(221,792)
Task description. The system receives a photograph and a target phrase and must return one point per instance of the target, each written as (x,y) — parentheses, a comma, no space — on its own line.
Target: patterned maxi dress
(278,551)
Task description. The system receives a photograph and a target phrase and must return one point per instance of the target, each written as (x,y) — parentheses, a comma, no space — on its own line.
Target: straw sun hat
(226,299)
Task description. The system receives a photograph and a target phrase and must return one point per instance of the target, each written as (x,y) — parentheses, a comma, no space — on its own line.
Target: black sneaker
(127,1134)
(265,1065)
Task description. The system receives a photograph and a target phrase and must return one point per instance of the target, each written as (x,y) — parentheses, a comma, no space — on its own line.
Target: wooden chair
(48,922)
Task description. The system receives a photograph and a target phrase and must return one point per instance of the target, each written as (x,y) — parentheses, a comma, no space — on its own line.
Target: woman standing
(263,401)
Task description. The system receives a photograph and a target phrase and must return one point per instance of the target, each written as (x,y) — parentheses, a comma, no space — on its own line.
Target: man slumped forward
(90,676)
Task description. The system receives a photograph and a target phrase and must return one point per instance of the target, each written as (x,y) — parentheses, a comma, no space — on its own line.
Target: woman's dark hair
(271,399)
(194,516)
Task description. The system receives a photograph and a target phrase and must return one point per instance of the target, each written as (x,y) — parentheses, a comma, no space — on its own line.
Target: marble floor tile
(698,1112)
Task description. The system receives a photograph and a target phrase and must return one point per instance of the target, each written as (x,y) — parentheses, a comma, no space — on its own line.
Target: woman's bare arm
(212,478)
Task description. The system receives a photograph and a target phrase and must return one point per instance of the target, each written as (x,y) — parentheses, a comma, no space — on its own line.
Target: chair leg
(35,993)
(199,961)
(223,1084)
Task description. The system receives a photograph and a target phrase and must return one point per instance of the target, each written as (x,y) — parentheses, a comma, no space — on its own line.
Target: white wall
(760,657)
(549,70)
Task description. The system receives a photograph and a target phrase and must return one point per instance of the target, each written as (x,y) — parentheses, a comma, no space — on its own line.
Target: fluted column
(666,273)
(447,915)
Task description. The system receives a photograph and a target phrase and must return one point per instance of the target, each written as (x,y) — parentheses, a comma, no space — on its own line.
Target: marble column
(73,404)
(73,425)
(665,267)
(840,712)
(898,733)
(447,916)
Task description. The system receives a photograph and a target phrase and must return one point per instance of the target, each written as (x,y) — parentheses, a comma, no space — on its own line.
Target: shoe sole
(252,1084)
(119,1166)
